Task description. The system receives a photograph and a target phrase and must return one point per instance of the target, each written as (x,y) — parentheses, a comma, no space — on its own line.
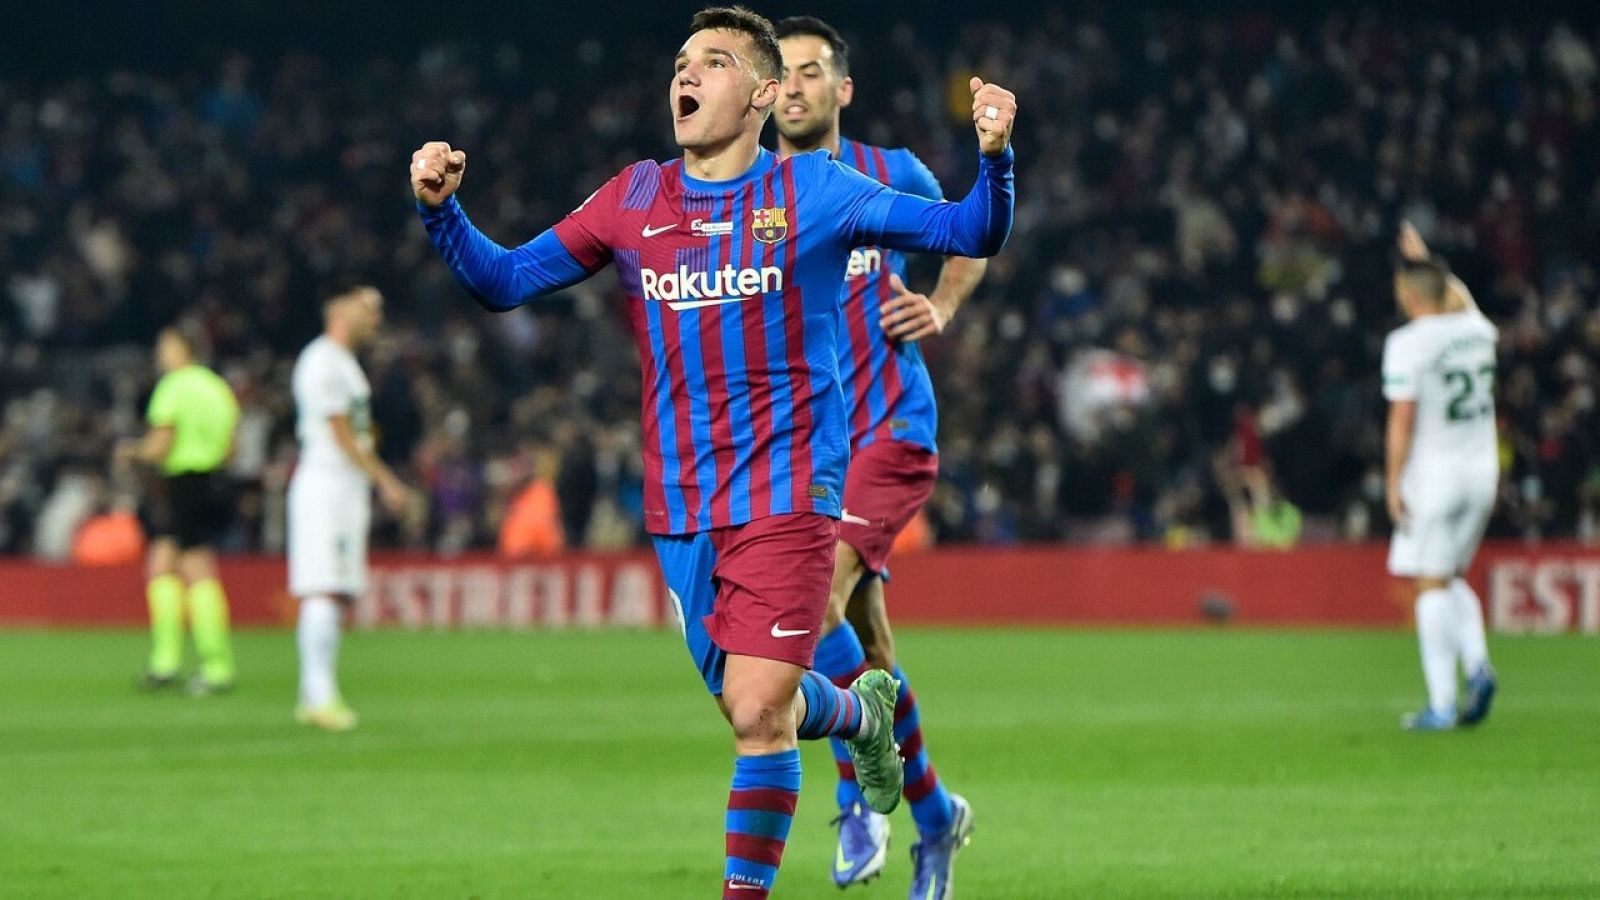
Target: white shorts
(329,515)
(1449,511)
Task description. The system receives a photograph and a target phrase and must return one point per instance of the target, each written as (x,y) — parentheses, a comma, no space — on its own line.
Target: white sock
(317,636)
(1436,638)
(1469,627)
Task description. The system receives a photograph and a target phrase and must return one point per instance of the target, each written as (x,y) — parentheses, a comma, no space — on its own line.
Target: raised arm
(977,226)
(1413,247)
(499,279)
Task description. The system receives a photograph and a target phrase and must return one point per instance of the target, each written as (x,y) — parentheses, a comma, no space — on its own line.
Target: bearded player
(893,459)
(732,260)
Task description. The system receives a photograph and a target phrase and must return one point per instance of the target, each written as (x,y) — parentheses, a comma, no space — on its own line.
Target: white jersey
(328,382)
(1446,363)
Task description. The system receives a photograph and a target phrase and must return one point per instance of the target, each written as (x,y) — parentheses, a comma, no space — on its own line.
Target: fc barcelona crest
(769,225)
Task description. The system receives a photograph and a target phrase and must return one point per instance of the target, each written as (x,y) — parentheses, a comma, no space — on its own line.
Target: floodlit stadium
(679,450)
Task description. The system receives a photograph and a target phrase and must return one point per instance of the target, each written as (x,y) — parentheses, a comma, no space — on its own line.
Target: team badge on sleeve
(769,225)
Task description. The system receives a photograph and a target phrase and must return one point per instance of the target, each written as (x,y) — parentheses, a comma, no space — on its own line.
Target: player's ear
(765,96)
(847,92)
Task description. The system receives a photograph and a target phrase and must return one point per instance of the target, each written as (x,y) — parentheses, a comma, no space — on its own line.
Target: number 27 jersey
(1446,364)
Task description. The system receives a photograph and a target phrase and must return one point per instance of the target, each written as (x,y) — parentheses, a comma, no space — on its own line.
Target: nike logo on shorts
(779,631)
(652,232)
(853,520)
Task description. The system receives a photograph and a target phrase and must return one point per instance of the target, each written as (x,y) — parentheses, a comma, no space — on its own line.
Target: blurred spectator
(532,525)
(109,539)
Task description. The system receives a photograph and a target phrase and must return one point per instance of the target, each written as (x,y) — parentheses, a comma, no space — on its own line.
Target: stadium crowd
(1180,344)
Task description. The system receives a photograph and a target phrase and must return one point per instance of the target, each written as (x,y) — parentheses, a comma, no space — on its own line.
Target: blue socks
(760,811)
(830,711)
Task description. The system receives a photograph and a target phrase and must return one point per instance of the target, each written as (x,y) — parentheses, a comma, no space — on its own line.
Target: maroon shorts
(887,482)
(758,589)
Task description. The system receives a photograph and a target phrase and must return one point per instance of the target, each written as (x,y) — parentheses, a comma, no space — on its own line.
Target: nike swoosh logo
(778,632)
(840,864)
(853,520)
(680,305)
(652,232)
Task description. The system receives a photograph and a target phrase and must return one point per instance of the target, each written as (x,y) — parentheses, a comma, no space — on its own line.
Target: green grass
(1100,764)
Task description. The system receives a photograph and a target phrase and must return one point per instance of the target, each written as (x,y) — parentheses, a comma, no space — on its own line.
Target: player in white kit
(330,493)
(1442,460)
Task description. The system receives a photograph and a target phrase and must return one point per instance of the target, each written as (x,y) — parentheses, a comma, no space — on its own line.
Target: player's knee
(761,718)
(1425,585)
(162,560)
(197,565)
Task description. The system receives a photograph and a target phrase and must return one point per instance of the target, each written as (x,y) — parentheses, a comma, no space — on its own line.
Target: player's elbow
(492,303)
(991,241)
(492,290)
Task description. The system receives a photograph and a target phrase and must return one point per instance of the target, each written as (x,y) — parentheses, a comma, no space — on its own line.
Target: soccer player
(1443,470)
(893,458)
(192,417)
(330,496)
(732,261)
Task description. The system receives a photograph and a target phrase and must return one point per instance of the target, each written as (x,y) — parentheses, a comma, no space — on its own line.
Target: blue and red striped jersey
(733,290)
(887,391)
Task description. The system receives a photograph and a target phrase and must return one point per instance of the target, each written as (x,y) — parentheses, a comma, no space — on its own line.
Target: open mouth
(795,111)
(687,106)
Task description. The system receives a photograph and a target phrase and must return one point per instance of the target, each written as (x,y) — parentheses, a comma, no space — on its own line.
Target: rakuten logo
(864,261)
(687,289)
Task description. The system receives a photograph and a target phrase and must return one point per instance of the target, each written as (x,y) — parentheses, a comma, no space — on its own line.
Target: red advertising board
(1543,589)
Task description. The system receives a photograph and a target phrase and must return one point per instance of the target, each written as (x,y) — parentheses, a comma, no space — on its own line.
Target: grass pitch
(1100,764)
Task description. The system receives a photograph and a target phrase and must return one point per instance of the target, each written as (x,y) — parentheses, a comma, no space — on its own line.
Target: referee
(192,417)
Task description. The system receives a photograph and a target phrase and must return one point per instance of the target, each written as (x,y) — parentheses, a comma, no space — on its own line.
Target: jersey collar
(765,161)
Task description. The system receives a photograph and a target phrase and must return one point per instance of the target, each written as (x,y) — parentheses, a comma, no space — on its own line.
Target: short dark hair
(1429,277)
(814,27)
(345,291)
(769,60)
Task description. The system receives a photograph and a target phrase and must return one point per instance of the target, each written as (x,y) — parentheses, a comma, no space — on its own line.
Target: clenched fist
(994,111)
(436,172)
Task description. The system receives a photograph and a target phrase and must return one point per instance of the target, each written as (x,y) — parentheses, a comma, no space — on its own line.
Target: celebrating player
(330,496)
(732,260)
(893,462)
(1443,471)
(192,418)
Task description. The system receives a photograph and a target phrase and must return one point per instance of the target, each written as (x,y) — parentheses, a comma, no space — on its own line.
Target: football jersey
(888,393)
(1446,364)
(328,382)
(199,407)
(734,301)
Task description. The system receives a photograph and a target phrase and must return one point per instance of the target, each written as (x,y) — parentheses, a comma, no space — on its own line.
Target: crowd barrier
(1548,588)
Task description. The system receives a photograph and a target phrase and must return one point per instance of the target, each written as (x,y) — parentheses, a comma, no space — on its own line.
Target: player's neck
(340,336)
(725,162)
(828,141)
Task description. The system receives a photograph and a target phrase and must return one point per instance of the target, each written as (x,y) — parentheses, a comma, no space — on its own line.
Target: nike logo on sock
(652,232)
(781,632)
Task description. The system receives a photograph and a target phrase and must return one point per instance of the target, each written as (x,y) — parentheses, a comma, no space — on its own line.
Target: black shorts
(192,509)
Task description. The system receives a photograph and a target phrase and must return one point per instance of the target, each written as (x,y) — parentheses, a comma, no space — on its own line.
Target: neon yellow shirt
(201,410)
